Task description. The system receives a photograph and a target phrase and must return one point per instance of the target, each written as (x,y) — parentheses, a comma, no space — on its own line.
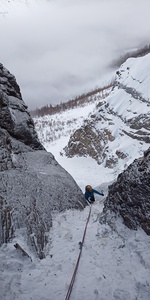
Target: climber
(89,193)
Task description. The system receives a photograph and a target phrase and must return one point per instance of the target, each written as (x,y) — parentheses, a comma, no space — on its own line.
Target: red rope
(77,263)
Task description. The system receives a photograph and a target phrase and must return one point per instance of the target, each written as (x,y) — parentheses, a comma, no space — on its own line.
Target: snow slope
(114,265)
(54,132)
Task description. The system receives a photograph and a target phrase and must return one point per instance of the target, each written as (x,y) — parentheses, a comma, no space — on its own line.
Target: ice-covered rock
(129,196)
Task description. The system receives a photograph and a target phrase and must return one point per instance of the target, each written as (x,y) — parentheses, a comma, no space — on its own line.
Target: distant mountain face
(121,121)
(32,183)
(114,128)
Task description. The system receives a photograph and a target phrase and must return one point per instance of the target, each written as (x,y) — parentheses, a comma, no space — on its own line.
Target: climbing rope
(77,263)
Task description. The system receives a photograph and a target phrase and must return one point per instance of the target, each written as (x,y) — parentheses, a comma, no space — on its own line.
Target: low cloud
(59,49)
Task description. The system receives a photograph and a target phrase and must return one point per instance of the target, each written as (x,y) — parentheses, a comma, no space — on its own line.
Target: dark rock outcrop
(86,141)
(89,141)
(129,196)
(14,116)
(32,183)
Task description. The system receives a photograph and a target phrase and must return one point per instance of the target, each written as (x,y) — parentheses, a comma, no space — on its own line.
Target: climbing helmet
(88,188)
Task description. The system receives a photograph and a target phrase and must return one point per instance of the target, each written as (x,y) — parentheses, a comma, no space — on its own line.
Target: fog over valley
(59,49)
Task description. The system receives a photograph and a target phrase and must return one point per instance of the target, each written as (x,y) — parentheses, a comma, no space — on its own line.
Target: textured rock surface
(86,141)
(90,141)
(129,196)
(14,116)
(32,183)
(123,115)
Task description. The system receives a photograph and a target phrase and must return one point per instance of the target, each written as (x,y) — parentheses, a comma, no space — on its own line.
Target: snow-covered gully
(115,262)
(78,259)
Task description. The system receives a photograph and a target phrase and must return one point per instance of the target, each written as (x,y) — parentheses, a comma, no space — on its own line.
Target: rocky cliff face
(15,121)
(89,141)
(129,196)
(32,183)
(120,121)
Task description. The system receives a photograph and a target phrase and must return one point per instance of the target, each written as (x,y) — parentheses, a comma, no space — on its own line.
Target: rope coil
(77,263)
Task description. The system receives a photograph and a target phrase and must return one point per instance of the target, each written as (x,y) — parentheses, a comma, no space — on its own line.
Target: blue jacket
(91,193)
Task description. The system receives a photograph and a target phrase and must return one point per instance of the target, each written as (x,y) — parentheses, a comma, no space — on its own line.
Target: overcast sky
(58,49)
